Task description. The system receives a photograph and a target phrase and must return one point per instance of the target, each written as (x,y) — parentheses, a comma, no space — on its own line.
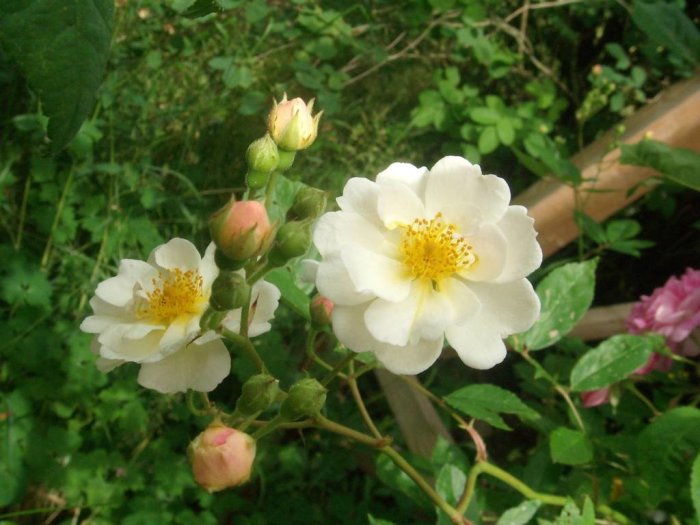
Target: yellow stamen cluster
(175,293)
(432,249)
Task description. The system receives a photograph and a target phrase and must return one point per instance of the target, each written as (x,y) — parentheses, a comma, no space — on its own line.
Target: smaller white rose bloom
(149,314)
(421,256)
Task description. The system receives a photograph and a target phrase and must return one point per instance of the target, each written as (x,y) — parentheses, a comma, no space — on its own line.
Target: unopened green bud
(286,159)
(309,203)
(262,155)
(258,393)
(256,180)
(224,263)
(306,399)
(229,291)
(292,240)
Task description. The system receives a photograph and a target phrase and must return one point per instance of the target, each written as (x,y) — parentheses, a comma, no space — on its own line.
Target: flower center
(175,293)
(432,249)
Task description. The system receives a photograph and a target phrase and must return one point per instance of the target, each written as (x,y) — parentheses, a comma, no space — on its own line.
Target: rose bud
(240,229)
(221,457)
(306,399)
(257,394)
(309,203)
(321,309)
(292,240)
(291,125)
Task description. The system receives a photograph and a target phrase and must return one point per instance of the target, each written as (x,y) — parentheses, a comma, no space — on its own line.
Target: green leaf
(665,449)
(506,132)
(484,115)
(667,25)
(486,402)
(613,360)
(62,48)
(450,485)
(590,227)
(292,295)
(570,447)
(521,514)
(680,165)
(566,294)
(695,486)
(488,140)
(24,284)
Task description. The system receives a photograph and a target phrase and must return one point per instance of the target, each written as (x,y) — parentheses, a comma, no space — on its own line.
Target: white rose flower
(149,314)
(419,256)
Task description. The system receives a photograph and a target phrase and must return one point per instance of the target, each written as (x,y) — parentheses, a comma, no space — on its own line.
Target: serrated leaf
(613,360)
(590,227)
(521,514)
(667,25)
(570,447)
(506,132)
(486,402)
(62,48)
(695,486)
(566,294)
(680,165)
(665,449)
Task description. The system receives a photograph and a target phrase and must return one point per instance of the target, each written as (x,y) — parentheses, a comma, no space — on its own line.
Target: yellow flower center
(176,293)
(432,249)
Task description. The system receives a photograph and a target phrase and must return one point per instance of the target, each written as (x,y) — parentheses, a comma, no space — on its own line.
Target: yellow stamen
(175,293)
(433,250)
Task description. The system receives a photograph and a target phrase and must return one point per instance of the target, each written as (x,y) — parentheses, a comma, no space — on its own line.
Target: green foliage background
(163,146)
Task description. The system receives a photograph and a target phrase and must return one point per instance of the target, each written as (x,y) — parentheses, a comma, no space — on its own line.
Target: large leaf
(570,447)
(613,360)
(486,402)
(450,485)
(62,47)
(666,25)
(565,294)
(665,450)
(677,164)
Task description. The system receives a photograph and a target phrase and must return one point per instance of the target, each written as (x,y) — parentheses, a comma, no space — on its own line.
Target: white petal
(176,336)
(435,313)
(464,303)
(371,272)
(337,229)
(207,267)
(523,252)
(232,321)
(308,269)
(116,346)
(117,291)
(392,322)
(456,188)
(176,253)
(360,196)
(509,307)
(477,345)
(102,364)
(490,247)
(398,205)
(333,281)
(410,359)
(137,271)
(199,367)
(94,324)
(265,298)
(349,327)
(406,174)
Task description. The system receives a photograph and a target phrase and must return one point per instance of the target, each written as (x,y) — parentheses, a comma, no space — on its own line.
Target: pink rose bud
(320,309)
(291,125)
(594,398)
(241,229)
(221,457)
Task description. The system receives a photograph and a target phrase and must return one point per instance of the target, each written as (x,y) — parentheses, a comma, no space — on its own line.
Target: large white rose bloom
(150,312)
(419,256)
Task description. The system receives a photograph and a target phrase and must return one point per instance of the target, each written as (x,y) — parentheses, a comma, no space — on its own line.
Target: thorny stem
(311,353)
(560,389)
(382,446)
(357,396)
(199,412)
(485,467)
(336,370)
